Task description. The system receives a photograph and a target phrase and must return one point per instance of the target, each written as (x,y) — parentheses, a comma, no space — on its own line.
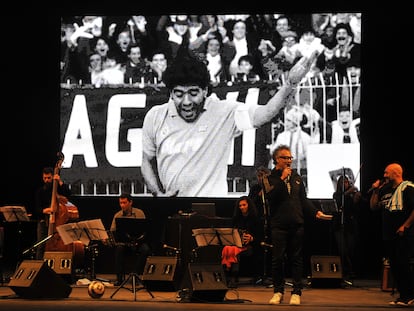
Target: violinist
(348,200)
(43,197)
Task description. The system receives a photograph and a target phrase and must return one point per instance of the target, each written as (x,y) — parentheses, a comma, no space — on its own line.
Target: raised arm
(265,113)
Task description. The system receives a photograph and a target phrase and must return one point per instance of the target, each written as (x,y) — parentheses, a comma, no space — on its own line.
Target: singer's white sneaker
(276,299)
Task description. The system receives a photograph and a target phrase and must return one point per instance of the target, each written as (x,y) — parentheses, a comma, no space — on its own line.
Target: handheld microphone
(382,182)
(266,244)
(288,176)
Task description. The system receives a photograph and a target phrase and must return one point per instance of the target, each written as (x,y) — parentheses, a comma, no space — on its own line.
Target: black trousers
(287,243)
(139,254)
(400,251)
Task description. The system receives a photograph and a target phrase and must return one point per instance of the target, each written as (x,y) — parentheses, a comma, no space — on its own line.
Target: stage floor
(361,295)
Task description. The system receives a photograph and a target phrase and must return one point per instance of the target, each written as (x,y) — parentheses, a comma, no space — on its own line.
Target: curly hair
(186,71)
(250,203)
(276,151)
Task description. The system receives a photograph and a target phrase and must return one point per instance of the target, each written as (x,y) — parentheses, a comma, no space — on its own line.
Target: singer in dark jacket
(288,204)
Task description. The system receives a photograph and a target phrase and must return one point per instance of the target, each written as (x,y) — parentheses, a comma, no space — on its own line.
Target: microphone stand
(342,247)
(33,248)
(264,201)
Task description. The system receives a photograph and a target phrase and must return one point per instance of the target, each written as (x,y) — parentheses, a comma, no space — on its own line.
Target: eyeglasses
(286,158)
(193,92)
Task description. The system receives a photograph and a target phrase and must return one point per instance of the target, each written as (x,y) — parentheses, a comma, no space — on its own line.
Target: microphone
(382,182)
(266,244)
(288,177)
(170,247)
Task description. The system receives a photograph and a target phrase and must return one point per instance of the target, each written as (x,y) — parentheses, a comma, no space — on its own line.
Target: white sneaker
(276,299)
(295,299)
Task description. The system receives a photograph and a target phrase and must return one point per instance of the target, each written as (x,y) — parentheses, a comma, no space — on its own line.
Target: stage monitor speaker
(35,279)
(204,282)
(326,271)
(60,262)
(161,273)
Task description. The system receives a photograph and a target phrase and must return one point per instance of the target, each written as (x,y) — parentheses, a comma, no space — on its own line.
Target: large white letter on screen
(78,137)
(115,157)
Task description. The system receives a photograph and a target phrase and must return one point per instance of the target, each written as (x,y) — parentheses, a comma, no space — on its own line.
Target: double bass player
(53,209)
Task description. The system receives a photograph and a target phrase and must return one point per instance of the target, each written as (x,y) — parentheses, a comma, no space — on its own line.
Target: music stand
(217,236)
(131,230)
(14,213)
(84,231)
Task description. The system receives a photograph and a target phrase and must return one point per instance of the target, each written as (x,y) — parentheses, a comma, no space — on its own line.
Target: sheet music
(205,236)
(95,229)
(71,232)
(230,236)
(14,213)
(83,231)
(217,236)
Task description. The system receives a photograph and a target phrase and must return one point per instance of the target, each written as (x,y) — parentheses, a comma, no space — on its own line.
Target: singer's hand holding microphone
(377,185)
(287,171)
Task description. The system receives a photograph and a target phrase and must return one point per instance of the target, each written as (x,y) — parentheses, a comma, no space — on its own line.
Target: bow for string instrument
(62,211)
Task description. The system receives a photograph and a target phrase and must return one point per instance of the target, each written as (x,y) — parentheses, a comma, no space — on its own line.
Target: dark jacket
(288,210)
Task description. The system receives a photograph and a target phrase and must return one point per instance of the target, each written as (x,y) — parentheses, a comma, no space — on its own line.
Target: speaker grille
(204,282)
(161,273)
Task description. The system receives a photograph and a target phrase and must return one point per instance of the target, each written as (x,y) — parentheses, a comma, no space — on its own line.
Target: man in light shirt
(187,141)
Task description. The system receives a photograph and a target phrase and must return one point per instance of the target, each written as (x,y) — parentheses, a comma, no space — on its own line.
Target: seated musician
(250,227)
(136,247)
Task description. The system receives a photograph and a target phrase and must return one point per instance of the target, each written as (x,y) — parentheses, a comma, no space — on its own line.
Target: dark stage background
(30,114)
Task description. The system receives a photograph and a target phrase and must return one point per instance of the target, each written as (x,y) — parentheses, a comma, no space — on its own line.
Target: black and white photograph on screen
(113,71)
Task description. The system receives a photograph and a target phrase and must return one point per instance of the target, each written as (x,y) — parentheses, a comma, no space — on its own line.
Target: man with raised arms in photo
(187,141)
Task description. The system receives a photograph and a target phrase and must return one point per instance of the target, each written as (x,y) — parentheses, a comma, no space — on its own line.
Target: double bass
(62,211)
